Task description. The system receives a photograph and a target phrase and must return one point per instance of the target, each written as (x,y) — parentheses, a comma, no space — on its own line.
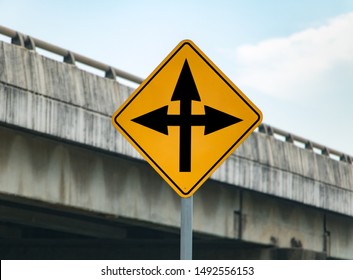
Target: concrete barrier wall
(61,101)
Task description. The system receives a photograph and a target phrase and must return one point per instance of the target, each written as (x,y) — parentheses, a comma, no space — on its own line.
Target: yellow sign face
(186,118)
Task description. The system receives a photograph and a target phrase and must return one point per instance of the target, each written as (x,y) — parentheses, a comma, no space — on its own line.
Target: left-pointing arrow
(156,120)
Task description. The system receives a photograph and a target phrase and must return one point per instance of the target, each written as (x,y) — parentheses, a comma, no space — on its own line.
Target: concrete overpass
(72,187)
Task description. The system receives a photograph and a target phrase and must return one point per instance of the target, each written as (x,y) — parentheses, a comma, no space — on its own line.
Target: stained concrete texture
(58,101)
(68,176)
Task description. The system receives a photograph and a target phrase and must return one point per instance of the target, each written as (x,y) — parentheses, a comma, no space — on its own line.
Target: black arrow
(212,120)
(185,91)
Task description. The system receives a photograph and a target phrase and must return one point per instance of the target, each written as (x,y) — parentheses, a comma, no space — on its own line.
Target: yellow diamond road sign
(186,118)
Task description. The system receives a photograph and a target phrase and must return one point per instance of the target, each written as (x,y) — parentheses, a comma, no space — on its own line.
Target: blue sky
(294,59)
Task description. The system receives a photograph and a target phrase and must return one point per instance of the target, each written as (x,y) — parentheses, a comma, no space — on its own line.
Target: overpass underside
(40,232)
(63,201)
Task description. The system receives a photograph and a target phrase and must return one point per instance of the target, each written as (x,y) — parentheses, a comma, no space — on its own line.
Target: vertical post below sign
(186,118)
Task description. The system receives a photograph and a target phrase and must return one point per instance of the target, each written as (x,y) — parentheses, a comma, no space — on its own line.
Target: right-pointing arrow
(215,120)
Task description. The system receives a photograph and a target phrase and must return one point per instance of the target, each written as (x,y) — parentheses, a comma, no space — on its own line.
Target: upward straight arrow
(185,91)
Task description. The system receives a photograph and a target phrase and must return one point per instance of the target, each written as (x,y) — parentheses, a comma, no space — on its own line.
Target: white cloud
(304,63)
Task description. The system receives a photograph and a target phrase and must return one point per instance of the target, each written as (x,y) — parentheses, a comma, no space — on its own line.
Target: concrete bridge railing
(69,57)
(111,72)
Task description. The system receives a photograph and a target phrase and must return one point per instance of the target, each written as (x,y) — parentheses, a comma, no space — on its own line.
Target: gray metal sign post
(186,228)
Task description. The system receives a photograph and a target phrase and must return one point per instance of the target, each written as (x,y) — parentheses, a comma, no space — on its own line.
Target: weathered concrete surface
(279,168)
(48,171)
(76,178)
(60,101)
